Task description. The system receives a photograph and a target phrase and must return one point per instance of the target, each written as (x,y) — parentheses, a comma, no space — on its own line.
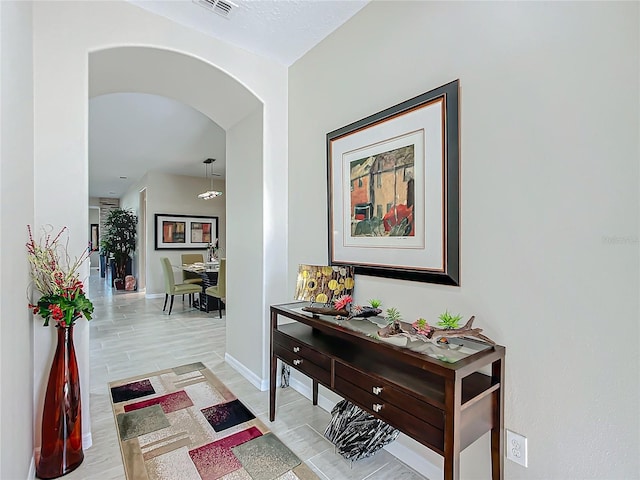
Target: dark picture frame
(393,181)
(184,232)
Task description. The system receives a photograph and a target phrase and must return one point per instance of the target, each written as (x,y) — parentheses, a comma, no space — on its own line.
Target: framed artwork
(184,232)
(393,190)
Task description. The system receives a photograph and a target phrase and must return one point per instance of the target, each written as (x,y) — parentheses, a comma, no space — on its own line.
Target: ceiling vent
(221,7)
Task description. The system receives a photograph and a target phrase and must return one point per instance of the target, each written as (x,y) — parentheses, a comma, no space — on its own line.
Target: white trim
(254,379)
(153,295)
(403,453)
(414,460)
(87,441)
(304,389)
(32,468)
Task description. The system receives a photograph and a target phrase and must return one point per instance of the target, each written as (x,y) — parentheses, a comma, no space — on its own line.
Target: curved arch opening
(181,78)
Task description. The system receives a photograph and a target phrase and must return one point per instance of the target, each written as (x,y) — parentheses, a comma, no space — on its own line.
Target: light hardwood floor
(130,335)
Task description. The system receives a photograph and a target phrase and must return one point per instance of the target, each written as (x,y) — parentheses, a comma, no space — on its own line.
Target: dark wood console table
(445,405)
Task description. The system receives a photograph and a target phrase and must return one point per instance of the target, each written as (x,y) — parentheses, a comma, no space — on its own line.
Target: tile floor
(130,335)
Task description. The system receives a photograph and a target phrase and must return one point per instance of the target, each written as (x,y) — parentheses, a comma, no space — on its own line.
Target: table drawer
(388,393)
(394,415)
(301,350)
(306,366)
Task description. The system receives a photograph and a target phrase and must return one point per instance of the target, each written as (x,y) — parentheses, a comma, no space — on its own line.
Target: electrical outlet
(516,446)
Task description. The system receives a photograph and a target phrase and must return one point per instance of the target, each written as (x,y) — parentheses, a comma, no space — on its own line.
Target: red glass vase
(61,450)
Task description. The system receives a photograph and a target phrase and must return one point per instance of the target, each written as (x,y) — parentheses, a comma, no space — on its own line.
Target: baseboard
(302,388)
(414,460)
(403,453)
(87,441)
(32,469)
(154,295)
(255,380)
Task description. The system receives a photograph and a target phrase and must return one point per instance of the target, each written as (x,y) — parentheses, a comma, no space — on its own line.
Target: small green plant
(449,321)
(393,315)
(375,303)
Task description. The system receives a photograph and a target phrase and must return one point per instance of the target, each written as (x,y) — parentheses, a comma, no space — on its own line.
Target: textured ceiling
(281,30)
(132,133)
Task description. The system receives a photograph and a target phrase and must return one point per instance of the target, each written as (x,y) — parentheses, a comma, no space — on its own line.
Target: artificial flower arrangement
(56,277)
(344,303)
(447,327)
(213,251)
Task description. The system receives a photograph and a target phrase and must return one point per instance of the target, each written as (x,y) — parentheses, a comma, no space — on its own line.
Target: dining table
(208,272)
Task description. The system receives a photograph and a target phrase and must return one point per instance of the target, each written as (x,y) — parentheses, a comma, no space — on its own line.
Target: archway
(233,107)
(126,76)
(257,181)
(217,95)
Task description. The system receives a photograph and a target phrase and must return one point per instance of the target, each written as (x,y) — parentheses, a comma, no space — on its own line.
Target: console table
(439,397)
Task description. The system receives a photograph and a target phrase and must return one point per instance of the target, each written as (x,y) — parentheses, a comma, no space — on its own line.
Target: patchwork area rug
(184,423)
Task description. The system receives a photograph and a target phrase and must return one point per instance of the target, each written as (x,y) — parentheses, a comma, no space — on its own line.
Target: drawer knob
(296,349)
(297,361)
(377,390)
(377,407)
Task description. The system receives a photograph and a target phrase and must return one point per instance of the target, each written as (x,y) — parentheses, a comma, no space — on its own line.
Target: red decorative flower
(341,303)
(56,312)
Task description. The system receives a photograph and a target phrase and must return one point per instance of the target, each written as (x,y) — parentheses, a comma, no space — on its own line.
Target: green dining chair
(189,259)
(219,290)
(191,277)
(170,287)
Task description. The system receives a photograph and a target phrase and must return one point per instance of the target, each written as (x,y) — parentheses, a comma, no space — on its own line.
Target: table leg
(272,389)
(497,432)
(315,392)
(273,369)
(453,401)
(452,466)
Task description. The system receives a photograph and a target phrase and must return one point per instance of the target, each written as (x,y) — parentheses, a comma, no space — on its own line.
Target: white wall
(173,194)
(64,35)
(16,212)
(60,179)
(246,332)
(549,111)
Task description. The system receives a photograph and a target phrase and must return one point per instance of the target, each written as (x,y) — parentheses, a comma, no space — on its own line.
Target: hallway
(130,335)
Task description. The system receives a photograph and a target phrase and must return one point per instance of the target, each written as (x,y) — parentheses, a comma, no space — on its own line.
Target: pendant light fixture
(211,193)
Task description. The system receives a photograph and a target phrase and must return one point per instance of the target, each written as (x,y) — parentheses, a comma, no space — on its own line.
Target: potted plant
(120,241)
